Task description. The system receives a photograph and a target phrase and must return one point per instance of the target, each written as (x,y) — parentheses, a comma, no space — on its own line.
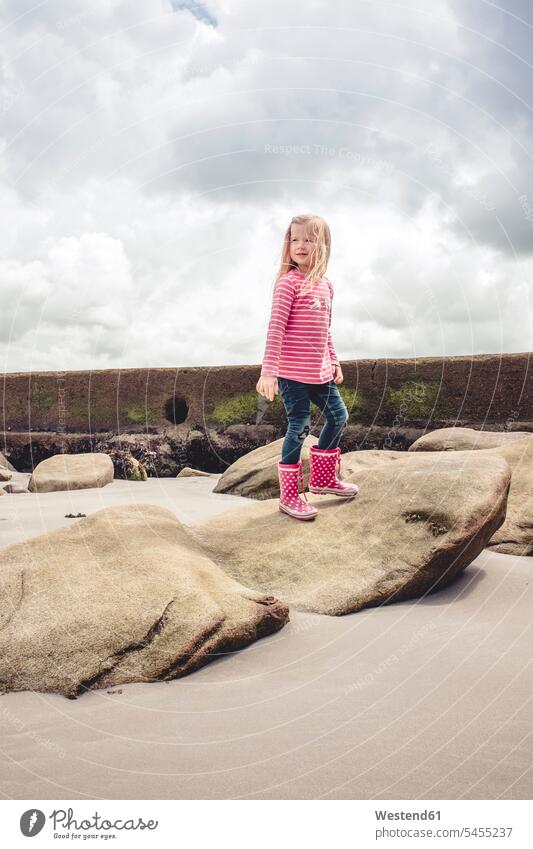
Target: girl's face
(302,244)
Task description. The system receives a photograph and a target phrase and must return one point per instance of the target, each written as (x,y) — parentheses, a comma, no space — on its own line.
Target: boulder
(136,470)
(6,464)
(418,521)
(354,462)
(14,488)
(72,471)
(515,536)
(255,475)
(187,472)
(126,466)
(124,595)
(465,439)
(5,474)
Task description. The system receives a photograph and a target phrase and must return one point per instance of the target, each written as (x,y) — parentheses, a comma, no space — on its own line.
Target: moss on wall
(142,415)
(41,397)
(243,408)
(355,403)
(43,405)
(413,399)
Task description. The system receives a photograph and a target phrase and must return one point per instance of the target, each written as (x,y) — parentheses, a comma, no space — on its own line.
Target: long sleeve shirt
(299,344)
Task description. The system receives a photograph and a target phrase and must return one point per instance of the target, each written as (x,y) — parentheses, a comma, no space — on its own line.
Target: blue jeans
(296,397)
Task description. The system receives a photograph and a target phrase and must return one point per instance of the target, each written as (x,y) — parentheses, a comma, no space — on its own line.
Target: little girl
(301,361)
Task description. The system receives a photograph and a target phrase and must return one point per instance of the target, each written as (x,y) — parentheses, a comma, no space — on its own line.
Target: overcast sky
(152,153)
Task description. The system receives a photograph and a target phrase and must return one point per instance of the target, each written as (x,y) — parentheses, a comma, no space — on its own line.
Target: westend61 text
(407,815)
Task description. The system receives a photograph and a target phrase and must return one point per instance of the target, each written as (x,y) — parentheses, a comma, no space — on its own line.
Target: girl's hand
(337,374)
(267,386)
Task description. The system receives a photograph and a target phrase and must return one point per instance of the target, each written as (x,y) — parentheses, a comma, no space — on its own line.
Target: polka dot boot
(289,501)
(325,463)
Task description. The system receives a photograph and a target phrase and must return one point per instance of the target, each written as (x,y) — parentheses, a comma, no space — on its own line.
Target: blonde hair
(318,227)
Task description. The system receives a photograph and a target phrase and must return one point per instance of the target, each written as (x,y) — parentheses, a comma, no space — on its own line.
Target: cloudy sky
(152,152)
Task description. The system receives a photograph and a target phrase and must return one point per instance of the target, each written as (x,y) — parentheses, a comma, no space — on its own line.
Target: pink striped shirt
(298,344)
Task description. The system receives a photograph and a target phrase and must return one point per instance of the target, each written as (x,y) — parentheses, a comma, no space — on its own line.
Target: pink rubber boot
(289,501)
(324,481)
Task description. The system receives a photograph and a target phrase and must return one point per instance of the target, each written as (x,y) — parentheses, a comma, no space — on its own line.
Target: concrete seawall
(391,402)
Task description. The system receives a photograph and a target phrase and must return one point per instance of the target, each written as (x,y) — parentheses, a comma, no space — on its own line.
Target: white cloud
(142,204)
(79,286)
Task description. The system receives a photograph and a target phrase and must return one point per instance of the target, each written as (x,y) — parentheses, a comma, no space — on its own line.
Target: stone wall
(391,402)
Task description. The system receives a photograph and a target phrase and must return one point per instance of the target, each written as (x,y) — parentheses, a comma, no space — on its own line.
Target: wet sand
(426,699)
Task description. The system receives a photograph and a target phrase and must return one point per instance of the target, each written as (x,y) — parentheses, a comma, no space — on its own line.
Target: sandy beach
(426,699)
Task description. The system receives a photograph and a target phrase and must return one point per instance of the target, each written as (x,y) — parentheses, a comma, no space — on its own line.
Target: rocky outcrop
(417,522)
(124,595)
(255,475)
(72,471)
(126,466)
(162,454)
(5,474)
(515,536)
(213,450)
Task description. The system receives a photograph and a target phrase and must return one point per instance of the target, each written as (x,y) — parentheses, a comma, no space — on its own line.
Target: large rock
(123,595)
(6,464)
(187,472)
(515,536)
(255,475)
(5,474)
(357,461)
(417,522)
(465,439)
(72,471)
(14,489)
(126,466)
